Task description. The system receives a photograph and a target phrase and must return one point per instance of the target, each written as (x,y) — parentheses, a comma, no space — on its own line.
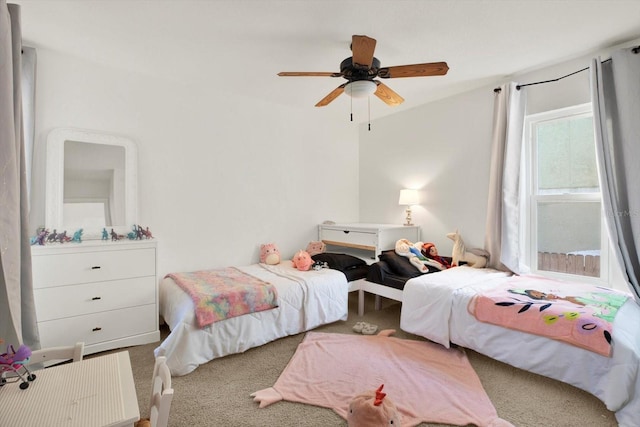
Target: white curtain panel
(17,311)
(503,239)
(615,92)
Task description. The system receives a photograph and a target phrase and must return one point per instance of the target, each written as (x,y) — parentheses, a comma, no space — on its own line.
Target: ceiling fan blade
(416,70)
(362,48)
(388,96)
(308,73)
(333,95)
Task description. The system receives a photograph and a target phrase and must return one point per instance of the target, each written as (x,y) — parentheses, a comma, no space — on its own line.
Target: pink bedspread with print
(224,293)
(576,313)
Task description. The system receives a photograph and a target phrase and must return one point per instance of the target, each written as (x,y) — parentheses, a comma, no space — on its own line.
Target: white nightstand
(367,241)
(364,240)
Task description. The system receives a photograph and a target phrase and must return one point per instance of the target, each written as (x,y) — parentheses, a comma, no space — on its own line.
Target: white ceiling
(242,44)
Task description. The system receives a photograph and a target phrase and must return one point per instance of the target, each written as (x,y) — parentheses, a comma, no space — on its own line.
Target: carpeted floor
(217,393)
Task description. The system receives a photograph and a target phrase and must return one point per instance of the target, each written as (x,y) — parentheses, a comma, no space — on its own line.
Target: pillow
(340,262)
(399,264)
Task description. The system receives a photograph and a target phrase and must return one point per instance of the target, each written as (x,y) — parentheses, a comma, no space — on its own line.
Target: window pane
(569,237)
(566,156)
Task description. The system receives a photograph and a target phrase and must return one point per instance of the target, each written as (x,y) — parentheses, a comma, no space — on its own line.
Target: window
(565,227)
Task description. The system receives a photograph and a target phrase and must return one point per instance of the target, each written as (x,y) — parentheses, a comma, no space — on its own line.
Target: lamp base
(408,218)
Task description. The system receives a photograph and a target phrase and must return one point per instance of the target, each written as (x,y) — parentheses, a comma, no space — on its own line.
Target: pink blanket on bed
(576,313)
(224,293)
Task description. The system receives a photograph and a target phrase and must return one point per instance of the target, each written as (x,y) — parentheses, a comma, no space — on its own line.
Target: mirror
(91,182)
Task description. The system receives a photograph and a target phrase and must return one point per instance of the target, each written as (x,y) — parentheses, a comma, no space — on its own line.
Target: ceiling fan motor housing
(354,72)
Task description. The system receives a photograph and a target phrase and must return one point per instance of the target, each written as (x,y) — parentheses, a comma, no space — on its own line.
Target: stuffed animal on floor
(373,409)
(302,260)
(315,248)
(144,422)
(269,254)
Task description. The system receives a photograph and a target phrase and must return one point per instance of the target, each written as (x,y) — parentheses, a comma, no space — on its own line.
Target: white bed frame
(378,290)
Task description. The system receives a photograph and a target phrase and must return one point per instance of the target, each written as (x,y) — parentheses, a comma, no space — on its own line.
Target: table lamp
(408,198)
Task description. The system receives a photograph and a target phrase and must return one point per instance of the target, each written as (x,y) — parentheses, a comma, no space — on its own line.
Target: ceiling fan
(362,68)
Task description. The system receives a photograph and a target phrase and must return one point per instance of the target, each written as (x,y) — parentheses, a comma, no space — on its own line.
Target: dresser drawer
(351,238)
(75,300)
(98,327)
(87,267)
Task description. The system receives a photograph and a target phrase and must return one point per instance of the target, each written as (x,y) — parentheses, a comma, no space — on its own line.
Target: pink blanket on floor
(576,313)
(224,293)
(427,382)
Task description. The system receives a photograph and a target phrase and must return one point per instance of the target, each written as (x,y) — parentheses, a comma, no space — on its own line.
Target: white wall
(442,149)
(219,173)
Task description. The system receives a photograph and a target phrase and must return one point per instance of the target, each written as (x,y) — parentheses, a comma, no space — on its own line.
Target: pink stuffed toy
(269,254)
(315,248)
(302,260)
(373,409)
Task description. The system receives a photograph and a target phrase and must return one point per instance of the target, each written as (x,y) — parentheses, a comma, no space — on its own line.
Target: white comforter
(435,307)
(306,300)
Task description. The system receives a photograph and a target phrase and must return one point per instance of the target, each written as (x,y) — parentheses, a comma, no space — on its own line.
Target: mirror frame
(54,187)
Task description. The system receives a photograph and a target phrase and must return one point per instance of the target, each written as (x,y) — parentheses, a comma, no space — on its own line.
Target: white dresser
(365,240)
(103,293)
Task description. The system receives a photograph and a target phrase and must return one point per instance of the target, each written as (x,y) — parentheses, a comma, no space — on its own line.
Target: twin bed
(305,300)
(437,307)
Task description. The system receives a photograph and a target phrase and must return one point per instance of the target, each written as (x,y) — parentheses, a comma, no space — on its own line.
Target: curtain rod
(497,90)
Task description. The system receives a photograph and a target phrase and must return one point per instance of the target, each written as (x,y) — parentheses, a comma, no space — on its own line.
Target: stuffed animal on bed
(302,260)
(373,409)
(476,258)
(403,248)
(315,248)
(412,251)
(269,254)
(430,251)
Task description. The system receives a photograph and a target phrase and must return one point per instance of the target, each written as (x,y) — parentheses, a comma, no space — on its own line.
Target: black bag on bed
(394,270)
(352,267)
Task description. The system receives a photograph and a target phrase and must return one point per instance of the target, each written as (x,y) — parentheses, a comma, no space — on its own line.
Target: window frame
(533,199)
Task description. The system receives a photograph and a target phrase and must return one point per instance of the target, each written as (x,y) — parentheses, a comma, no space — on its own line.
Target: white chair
(161,395)
(51,355)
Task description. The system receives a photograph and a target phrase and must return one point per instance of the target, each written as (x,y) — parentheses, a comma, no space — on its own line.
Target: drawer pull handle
(96,329)
(346,231)
(95,298)
(95,267)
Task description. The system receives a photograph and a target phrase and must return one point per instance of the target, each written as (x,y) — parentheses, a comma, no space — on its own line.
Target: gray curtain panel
(28,108)
(502,238)
(615,92)
(17,312)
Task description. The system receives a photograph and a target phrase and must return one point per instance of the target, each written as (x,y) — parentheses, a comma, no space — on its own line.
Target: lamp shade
(408,197)
(360,88)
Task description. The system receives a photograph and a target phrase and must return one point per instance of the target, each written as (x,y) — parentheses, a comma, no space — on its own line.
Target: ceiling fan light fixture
(360,88)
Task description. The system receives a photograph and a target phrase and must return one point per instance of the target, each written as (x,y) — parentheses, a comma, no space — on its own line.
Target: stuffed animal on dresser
(269,254)
(373,409)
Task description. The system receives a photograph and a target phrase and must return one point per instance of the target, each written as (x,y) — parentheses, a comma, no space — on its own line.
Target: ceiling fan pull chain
(369,110)
(351,107)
